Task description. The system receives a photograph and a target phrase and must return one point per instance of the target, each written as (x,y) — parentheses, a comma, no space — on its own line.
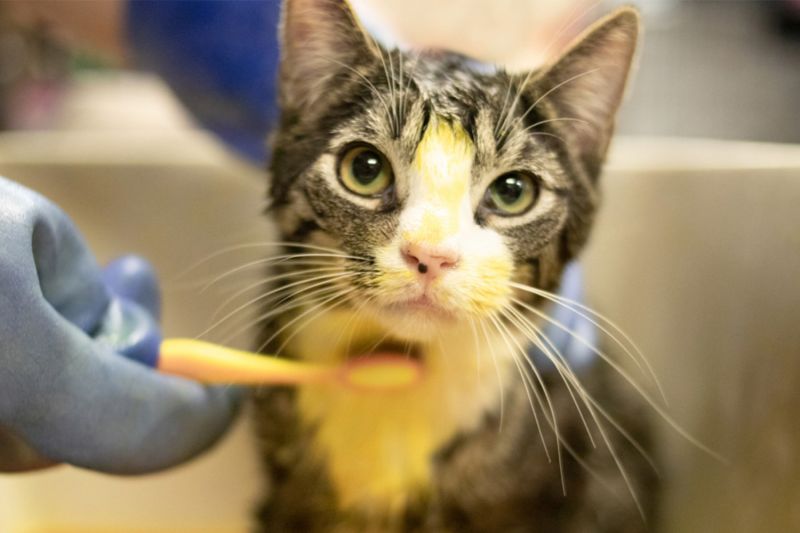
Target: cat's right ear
(320,40)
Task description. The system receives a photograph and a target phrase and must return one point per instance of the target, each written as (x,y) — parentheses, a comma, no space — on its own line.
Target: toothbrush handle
(211,363)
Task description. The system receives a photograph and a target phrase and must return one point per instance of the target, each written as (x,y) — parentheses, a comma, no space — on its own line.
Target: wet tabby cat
(432,201)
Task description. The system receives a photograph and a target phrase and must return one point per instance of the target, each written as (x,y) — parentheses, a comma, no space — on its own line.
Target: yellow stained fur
(442,164)
(378,444)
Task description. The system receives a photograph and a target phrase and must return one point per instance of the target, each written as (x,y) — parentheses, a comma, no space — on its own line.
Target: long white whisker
(350,326)
(553,89)
(388,82)
(636,356)
(570,381)
(557,432)
(497,372)
(340,294)
(326,266)
(564,362)
(558,34)
(278,259)
(476,343)
(547,134)
(566,372)
(653,404)
(291,304)
(500,125)
(529,386)
(612,451)
(557,119)
(263,244)
(365,80)
(314,282)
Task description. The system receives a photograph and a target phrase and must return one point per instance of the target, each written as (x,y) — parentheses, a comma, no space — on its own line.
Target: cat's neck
(380,444)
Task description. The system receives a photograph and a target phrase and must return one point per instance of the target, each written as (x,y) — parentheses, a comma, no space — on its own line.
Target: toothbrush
(212,363)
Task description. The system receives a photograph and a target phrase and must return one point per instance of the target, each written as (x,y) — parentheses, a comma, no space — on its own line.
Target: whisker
(567,375)
(291,304)
(315,281)
(261,244)
(599,353)
(386,73)
(552,90)
(504,113)
(521,88)
(278,259)
(324,266)
(547,134)
(556,431)
(497,372)
(366,80)
(558,119)
(612,451)
(476,343)
(637,356)
(586,466)
(652,403)
(338,295)
(350,326)
(564,328)
(528,385)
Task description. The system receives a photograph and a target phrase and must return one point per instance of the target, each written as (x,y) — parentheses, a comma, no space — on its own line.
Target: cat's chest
(377,446)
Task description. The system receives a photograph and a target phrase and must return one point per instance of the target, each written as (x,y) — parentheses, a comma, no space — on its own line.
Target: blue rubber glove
(65,389)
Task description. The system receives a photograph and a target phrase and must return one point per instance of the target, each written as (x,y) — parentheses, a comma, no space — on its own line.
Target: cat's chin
(417,320)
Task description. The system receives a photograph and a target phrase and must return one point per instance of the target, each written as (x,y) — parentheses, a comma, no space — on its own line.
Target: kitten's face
(444,180)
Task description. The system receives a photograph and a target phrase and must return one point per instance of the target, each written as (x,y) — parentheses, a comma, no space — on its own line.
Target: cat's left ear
(586,84)
(321,39)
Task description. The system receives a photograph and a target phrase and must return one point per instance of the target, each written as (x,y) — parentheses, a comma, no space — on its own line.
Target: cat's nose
(430,261)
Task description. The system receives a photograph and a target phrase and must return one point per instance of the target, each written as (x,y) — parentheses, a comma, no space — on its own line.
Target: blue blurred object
(576,346)
(130,325)
(65,388)
(131,277)
(220,57)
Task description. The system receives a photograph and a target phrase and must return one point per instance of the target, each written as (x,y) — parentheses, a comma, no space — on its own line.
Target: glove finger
(132,277)
(130,330)
(104,412)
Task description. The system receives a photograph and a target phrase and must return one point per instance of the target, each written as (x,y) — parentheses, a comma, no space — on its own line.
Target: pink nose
(429,261)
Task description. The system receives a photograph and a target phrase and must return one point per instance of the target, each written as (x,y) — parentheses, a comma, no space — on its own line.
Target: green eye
(513,193)
(365,171)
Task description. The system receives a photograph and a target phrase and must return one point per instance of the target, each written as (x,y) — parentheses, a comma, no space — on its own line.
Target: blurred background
(725,69)
(696,253)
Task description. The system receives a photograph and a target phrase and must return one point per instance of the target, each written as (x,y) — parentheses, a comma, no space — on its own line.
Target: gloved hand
(66,390)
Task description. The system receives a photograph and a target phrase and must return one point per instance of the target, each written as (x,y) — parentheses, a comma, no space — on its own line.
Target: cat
(427,202)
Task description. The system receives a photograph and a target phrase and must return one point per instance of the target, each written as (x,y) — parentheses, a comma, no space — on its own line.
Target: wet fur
(485,478)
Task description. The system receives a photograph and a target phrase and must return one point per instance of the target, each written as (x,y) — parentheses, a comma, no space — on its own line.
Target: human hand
(65,390)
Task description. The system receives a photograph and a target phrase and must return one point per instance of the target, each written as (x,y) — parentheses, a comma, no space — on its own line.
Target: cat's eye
(365,171)
(512,193)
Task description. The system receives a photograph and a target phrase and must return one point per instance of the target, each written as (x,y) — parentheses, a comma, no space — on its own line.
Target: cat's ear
(586,84)
(320,39)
